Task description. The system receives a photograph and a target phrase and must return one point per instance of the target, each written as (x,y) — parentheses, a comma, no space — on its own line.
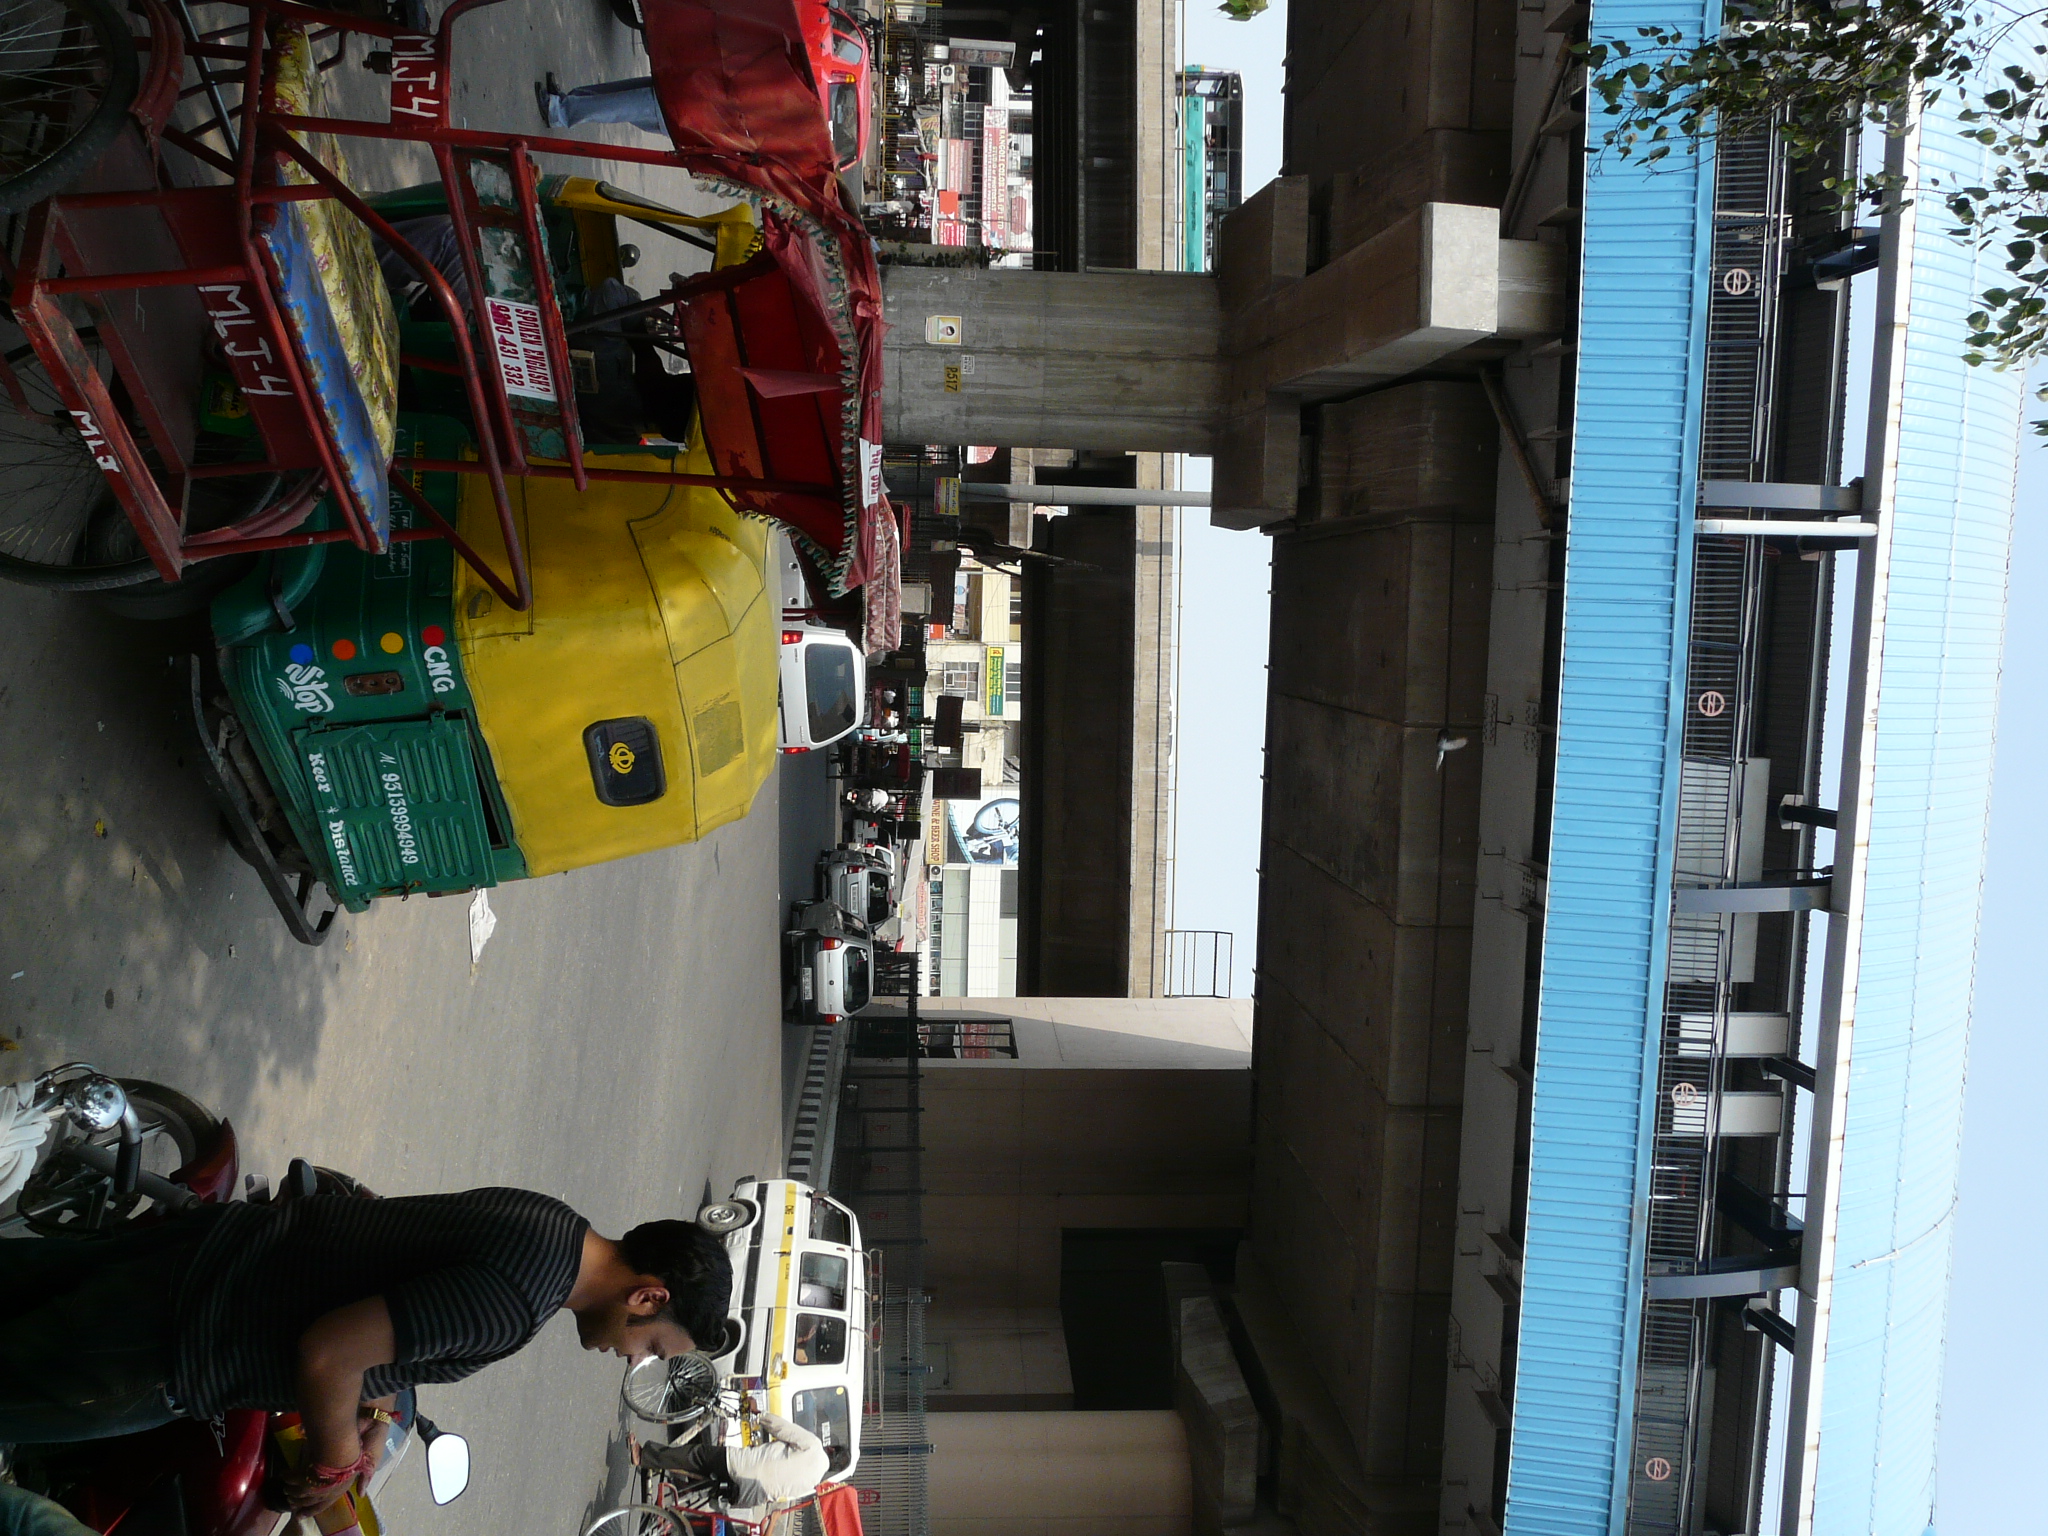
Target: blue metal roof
(1627,577)
(1936,713)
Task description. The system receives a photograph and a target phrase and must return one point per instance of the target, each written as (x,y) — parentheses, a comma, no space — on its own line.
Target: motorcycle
(82,1152)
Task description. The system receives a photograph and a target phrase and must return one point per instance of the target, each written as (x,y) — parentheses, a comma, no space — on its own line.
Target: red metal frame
(216,229)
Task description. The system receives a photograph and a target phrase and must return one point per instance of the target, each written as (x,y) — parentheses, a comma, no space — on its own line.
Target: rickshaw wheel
(671,1391)
(628,13)
(67,76)
(57,506)
(639,1520)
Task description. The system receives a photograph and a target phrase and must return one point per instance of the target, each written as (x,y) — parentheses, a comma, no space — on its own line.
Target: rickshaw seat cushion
(331,373)
(334,297)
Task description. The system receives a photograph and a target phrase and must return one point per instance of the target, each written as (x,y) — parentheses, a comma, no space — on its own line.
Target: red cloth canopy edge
(735,85)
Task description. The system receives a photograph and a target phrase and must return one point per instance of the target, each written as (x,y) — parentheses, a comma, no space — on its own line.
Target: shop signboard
(995,180)
(956,784)
(993,671)
(985,52)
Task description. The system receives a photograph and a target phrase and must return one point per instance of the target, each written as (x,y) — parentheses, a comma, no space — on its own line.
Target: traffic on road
(440,561)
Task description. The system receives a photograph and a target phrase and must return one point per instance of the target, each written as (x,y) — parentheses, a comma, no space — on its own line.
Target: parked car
(828,964)
(824,681)
(800,1306)
(882,854)
(857,883)
(840,60)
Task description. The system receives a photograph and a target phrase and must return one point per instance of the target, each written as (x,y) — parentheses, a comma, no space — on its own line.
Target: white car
(881,855)
(824,686)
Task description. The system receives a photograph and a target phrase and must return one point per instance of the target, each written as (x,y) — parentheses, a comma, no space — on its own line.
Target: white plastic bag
(483,922)
(23,1130)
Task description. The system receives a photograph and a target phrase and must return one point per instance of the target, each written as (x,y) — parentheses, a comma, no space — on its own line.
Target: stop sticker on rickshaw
(521,346)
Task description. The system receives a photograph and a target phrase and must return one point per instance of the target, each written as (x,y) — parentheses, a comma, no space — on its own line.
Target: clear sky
(1994,1416)
(1223,596)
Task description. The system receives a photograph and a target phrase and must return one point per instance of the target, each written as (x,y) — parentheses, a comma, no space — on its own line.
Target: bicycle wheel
(671,1391)
(639,1520)
(67,76)
(60,526)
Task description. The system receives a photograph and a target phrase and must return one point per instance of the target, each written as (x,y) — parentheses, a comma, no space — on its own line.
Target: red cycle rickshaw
(184,228)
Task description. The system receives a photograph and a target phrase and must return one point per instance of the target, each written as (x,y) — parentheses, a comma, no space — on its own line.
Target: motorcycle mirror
(447,1466)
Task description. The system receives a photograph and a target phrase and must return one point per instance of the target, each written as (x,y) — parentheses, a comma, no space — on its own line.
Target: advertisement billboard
(983,831)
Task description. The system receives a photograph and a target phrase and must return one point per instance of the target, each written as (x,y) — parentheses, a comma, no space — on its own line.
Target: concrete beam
(1422,289)
(1116,360)
(1083,495)
(1222,1421)
(1262,245)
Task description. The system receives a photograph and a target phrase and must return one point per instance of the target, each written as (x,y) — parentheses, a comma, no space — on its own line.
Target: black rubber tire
(154,600)
(628,14)
(67,161)
(57,578)
(723,1216)
(188,1123)
(735,1336)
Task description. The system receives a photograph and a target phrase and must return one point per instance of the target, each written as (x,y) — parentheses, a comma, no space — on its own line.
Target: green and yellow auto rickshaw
(389,724)
(566,651)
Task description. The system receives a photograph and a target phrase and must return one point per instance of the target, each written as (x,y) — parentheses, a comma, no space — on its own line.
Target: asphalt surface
(618,1044)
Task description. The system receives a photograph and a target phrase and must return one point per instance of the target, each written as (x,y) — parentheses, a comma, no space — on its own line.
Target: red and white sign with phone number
(522,350)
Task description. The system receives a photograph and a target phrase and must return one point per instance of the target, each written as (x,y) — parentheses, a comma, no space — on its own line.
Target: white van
(800,1307)
(824,686)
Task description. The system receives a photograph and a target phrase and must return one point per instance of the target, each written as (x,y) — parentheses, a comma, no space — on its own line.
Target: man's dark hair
(692,1264)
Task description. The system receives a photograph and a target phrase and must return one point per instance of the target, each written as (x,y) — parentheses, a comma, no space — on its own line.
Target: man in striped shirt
(328,1304)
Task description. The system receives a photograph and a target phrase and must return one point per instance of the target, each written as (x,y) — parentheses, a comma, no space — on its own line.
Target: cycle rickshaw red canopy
(784,346)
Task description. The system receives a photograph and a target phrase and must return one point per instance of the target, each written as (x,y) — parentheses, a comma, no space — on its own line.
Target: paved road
(618,1044)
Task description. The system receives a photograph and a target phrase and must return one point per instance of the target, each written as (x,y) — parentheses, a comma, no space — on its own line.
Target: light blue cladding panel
(1627,580)
(1936,714)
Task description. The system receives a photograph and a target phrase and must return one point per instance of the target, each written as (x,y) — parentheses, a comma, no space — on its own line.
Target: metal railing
(1723,656)
(1199,962)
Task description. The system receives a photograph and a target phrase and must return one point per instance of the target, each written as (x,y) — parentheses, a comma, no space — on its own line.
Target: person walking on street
(330,1304)
(788,1465)
(609,101)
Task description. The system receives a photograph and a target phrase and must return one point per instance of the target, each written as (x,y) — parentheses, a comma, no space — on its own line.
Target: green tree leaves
(1810,68)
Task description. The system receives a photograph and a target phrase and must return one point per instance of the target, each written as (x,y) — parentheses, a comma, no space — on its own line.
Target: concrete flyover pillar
(1177,362)
(1071,1473)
